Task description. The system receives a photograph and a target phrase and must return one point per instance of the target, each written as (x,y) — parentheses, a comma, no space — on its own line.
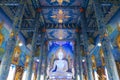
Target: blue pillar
(42,71)
(46,55)
(79,55)
(77,71)
(85,42)
(34,40)
(29,68)
(75,62)
(40,56)
(6,60)
(106,44)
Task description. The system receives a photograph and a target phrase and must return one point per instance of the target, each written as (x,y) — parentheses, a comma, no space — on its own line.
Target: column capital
(38,9)
(43,30)
(82,10)
(77,30)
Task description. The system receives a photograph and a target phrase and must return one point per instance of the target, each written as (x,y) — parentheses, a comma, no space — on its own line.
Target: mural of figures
(16,54)
(2,50)
(1,35)
(1,38)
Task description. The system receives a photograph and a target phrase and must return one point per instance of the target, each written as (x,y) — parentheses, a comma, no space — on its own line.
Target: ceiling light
(83,60)
(99,44)
(37,60)
(20,44)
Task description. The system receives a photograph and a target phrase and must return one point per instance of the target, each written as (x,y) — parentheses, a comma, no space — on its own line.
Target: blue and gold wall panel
(5,29)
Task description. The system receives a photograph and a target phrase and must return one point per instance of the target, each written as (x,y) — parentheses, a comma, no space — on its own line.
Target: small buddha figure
(60,67)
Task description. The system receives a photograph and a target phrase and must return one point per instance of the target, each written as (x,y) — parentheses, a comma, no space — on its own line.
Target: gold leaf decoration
(102,57)
(19,73)
(118,41)
(1,38)
(12,34)
(93,62)
(60,1)
(16,55)
(27,61)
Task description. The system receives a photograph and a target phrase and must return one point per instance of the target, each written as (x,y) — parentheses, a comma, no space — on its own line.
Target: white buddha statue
(60,67)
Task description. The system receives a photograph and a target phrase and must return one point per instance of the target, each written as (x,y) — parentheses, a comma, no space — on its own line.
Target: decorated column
(46,54)
(106,44)
(18,73)
(42,71)
(85,43)
(94,67)
(6,60)
(79,55)
(44,62)
(76,63)
(41,54)
(34,40)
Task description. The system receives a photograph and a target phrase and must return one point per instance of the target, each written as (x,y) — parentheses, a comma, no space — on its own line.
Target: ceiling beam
(31,8)
(8,12)
(110,2)
(32,29)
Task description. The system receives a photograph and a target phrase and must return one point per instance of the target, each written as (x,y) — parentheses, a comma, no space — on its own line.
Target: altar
(61,69)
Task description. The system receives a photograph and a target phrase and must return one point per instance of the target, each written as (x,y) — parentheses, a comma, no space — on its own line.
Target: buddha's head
(60,55)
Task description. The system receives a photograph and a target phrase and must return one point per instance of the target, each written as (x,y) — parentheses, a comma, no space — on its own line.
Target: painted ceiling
(56,11)
(63,2)
(61,34)
(61,15)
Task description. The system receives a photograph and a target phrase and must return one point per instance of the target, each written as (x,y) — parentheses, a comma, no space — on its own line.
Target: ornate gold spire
(60,16)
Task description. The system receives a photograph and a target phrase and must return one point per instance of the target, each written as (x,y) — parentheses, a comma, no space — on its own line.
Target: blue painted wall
(7,28)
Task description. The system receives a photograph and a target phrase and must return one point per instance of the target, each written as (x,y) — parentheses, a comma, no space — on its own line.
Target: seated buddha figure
(60,67)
